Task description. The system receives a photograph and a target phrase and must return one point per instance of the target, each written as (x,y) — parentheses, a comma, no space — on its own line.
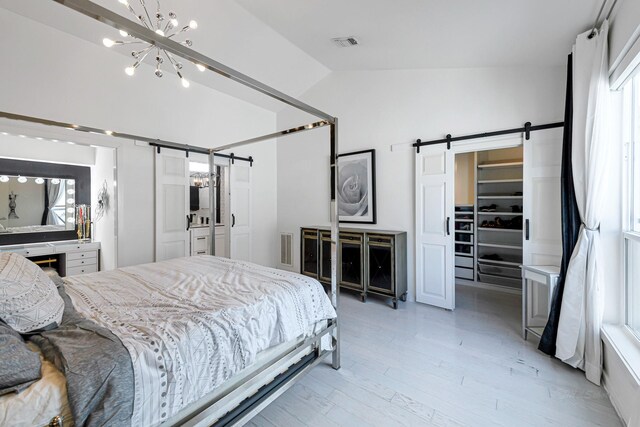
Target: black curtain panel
(570,222)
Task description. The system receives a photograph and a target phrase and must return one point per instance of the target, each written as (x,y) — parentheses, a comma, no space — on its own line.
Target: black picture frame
(369,159)
(82,176)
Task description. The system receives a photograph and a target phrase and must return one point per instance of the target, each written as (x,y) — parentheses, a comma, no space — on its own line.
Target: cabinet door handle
(526,229)
(448,229)
(200,238)
(233,220)
(188,223)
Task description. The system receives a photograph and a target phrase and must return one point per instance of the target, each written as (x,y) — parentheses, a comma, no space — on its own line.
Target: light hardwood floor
(420,365)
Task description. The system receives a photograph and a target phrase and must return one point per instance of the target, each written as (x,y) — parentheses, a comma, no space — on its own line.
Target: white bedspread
(189,324)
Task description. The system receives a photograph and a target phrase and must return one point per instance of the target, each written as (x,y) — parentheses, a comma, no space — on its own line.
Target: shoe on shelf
(490,208)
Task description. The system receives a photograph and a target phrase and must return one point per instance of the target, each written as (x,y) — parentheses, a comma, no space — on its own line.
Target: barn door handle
(233,220)
(188,222)
(448,230)
(526,229)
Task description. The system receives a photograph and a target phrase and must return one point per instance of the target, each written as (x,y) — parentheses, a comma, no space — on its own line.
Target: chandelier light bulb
(124,2)
(108,42)
(124,33)
(200,67)
(185,82)
(130,71)
(22,179)
(174,22)
(193,24)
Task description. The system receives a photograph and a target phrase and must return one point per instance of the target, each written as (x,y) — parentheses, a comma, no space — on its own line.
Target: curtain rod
(595,23)
(527,129)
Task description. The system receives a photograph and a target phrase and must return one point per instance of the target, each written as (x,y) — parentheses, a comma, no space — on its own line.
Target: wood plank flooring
(422,366)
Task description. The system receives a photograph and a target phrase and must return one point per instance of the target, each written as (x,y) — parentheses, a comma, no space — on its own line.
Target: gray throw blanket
(100,384)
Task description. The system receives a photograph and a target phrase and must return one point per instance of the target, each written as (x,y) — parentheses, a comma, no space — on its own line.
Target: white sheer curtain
(578,342)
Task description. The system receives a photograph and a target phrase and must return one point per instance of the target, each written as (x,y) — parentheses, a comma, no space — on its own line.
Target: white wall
(56,76)
(104,230)
(377,109)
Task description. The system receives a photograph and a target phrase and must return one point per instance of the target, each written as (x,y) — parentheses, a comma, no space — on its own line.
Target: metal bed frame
(239,403)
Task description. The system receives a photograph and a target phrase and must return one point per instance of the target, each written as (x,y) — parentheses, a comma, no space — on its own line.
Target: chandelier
(164,26)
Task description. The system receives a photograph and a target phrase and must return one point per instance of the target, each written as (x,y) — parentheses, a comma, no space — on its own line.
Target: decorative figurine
(12,206)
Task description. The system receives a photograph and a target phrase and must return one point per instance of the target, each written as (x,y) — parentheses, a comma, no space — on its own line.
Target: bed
(206,341)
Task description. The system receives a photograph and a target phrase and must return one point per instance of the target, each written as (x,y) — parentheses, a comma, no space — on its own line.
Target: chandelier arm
(140,52)
(144,6)
(173,62)
(138,17)
(139,61)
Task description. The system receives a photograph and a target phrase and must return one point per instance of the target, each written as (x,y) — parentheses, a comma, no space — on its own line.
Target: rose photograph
(356,187)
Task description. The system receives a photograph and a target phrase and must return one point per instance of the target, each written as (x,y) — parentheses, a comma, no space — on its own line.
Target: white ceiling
(286,43)
(412,34)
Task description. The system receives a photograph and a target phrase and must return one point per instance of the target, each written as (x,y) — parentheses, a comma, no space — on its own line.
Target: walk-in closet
(488,222)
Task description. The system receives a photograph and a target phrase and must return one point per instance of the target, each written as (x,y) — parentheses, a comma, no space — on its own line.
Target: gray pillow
(29,301)
(19,366)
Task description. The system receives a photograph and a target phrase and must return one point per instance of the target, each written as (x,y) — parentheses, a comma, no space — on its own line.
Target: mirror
(36,204)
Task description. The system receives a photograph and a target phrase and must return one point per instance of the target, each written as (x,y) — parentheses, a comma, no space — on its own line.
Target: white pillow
(29,300)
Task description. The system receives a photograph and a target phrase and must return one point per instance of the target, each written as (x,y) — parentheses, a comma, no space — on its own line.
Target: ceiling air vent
(345,41)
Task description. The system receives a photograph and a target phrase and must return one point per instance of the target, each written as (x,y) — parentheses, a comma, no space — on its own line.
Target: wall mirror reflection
(36,204)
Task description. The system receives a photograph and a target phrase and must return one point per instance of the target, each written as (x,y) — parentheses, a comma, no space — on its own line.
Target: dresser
(69,258)
(200,240)
(373,261)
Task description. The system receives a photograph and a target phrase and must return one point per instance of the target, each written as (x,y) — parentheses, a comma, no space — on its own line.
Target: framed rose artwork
(357,187)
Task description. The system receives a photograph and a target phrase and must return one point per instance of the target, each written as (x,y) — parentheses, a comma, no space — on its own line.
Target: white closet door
(542,243)
(240,231)
(172,204)
(434,227)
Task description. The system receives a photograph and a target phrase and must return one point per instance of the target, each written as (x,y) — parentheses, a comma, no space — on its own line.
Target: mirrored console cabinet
(373,261)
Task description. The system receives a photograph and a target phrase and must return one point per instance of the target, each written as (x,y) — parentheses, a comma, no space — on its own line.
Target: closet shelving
(499,226)
(464,226)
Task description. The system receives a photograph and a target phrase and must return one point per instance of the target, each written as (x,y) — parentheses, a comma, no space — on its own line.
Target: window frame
(631,194)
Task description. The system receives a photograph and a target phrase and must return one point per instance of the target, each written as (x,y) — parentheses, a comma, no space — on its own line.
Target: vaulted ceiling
(410,34)
(287,43)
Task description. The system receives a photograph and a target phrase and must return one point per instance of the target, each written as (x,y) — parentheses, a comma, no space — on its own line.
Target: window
(631,134)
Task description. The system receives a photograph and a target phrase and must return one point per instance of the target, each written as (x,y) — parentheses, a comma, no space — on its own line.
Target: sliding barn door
(542,243)
(240,231)
(434,227)
(172,204)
